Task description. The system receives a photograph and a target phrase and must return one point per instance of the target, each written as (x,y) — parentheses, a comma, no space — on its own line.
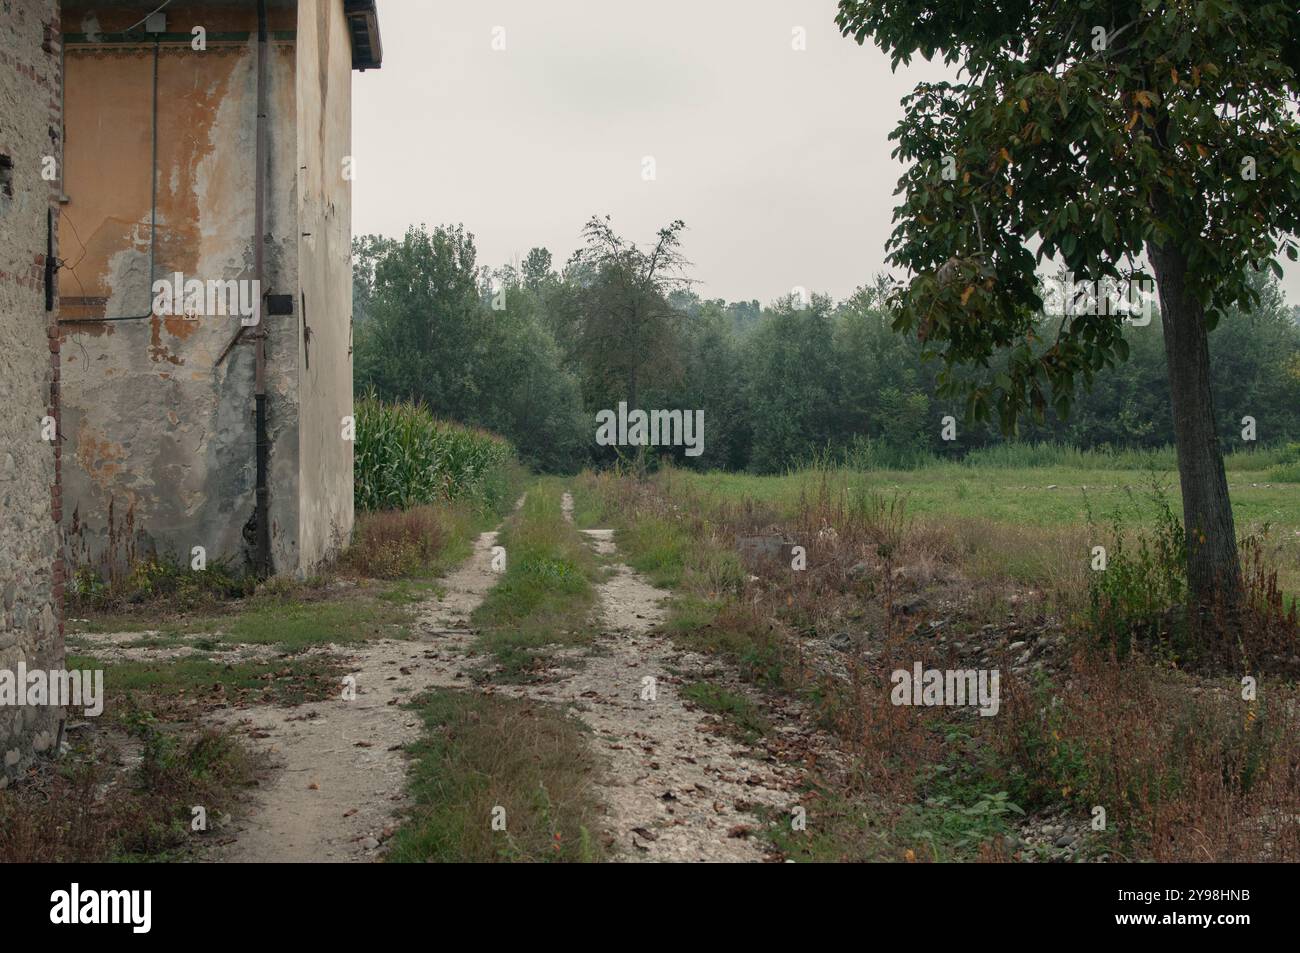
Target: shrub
(390,544)
(1141,601)
(1209,776)
(157,579)
(1135,597)
(95,806)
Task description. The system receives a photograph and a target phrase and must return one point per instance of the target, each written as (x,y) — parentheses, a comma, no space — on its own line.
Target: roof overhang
(363,25)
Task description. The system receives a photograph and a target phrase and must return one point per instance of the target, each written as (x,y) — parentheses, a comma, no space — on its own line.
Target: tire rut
(342,769)
(677,788)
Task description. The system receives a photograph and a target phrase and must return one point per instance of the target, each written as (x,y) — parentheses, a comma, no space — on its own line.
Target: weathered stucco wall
(160,425)
(31,584)
(324,94)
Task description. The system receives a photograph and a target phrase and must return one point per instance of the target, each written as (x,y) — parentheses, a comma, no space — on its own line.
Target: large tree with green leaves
(1101,133)
(421,337)
(471,346)
(628,335)
(793,400)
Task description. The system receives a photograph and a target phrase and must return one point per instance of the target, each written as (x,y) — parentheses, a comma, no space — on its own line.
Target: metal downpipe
(263,514)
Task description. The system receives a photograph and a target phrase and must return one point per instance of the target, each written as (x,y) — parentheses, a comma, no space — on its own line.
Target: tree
(713,380)
(420,339)
(537,271)
(628,333)
(526,393)
(470,344)
(792,383)
(884,388)
(1259,376)
(366,251)
(1093,132)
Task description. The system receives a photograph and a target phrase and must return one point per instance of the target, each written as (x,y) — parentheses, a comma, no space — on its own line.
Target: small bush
(1141,599)
(1136,597)
(82,809)
(1180,776)
(158,579)
(1285,473)
(391,544)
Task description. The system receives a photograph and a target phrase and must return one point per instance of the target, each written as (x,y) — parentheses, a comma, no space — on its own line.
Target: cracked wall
(31,574)
(159,410)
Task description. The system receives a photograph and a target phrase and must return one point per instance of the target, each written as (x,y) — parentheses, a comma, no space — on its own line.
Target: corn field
(405,457)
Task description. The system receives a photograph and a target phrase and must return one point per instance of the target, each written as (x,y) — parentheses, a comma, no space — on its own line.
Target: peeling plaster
(152,388)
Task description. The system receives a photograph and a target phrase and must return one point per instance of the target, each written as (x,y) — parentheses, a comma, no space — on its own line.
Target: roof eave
(363,25)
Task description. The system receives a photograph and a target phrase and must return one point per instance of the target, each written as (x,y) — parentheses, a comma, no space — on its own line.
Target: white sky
(778,160)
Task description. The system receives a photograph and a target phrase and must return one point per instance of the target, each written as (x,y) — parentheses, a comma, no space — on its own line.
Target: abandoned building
(206,150)
(147,146)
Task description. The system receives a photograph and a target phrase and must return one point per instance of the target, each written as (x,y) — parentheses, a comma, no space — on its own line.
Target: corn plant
(404,456)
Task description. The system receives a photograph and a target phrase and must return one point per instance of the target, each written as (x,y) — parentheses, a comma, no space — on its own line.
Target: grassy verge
(498,779)
(89,808)
(183,688)
(291,621)
(1011,519)
(372,592)
(1095,711)
(1028,496)
(396,556)
(545,597)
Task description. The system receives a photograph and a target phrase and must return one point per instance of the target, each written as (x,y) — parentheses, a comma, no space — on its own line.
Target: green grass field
(1039,496)
(1028,511)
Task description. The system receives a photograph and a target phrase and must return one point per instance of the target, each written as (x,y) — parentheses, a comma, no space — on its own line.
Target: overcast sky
(777,159)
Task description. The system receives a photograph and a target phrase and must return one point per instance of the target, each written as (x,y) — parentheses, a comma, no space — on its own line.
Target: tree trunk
(639,461)
(1213,566)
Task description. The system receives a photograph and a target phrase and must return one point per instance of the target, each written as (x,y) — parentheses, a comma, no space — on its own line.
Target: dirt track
(676,787)
(341,769)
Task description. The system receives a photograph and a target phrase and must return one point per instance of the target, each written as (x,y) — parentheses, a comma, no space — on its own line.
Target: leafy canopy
(1083,130)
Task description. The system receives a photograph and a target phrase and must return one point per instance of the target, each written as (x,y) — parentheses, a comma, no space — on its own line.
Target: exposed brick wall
(31,571)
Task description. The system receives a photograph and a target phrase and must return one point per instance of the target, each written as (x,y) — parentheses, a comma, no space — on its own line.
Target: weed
(485,759)
(739,713)
(545,596)
(1135,597)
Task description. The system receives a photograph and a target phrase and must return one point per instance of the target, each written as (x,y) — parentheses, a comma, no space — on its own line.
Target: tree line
(534,350)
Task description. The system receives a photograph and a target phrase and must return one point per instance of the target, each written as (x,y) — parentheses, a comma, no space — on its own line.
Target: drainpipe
(263,542)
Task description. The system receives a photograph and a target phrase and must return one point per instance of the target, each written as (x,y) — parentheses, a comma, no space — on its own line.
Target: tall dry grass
(1184,767)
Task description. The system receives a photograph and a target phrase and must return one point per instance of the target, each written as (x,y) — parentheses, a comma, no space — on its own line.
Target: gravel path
(342,769)
(676,787)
